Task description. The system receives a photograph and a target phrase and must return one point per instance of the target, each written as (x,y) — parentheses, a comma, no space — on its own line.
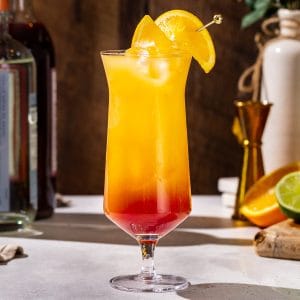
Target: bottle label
(4,144)
(33,155)
(54,122)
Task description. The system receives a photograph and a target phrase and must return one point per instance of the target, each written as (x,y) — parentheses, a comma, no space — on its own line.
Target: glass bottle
(18,130)
(25,28)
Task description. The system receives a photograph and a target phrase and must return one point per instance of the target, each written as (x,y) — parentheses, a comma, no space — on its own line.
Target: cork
(281,240)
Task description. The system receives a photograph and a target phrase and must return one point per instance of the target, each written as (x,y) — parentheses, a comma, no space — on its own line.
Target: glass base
(161,283)
(10,221)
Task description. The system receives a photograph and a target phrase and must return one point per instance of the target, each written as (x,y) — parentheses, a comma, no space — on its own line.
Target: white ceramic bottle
(281,86)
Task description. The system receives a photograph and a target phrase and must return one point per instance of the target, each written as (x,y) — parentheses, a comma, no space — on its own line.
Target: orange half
(261,206)
(264,210)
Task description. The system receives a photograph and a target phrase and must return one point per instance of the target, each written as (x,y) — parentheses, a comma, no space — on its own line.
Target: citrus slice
(149,37)
(181,27)
(261,206)
(263,211)
(288,195)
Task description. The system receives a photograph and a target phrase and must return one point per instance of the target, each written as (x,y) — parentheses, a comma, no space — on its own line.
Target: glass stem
(148,270)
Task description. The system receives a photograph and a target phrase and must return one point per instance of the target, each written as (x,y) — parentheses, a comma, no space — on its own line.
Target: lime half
(288,195)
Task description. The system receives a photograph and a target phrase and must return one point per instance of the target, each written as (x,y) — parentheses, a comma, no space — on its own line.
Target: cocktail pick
(217,19)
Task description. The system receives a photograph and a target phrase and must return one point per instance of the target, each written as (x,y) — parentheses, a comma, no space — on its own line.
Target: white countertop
(81,250)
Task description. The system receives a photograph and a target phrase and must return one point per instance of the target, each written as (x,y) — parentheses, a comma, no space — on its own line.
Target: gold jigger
(252,116)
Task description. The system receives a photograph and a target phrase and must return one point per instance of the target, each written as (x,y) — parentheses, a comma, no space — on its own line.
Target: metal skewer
(217,19)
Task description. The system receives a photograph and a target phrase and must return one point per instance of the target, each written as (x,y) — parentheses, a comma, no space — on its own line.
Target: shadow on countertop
(97,228)
(238,291)
(205,222)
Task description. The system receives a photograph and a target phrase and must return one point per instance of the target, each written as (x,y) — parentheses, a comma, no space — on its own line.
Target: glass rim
(122,52)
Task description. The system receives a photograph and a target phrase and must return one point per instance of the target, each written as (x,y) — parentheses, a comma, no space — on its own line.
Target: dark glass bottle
(25,28)
(18,130)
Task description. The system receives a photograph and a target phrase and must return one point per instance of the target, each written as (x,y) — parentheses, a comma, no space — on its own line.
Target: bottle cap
(3,5)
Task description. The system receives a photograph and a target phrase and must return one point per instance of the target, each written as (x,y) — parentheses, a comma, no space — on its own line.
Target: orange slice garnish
(181,28)
(149,37)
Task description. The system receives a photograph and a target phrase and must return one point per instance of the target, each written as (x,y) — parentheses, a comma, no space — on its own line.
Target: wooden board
(81,28)
(214,151)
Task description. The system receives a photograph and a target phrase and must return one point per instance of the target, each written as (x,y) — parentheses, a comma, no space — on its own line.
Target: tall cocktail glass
(147,182)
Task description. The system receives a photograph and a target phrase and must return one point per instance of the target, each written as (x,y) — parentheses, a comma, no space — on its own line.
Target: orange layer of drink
(147,183)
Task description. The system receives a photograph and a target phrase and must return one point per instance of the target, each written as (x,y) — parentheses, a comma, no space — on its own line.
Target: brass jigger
(252,116)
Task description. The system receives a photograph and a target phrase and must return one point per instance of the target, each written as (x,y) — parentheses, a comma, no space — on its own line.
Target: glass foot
(10,221)
(161,283)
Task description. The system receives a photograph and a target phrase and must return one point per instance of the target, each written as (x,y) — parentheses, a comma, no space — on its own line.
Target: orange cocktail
(147,183)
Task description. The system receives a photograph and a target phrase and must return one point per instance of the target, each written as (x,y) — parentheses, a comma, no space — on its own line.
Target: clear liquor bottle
(18,130)
(25,28)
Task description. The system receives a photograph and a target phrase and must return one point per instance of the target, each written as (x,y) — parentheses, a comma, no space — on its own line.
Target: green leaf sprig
(263,8)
